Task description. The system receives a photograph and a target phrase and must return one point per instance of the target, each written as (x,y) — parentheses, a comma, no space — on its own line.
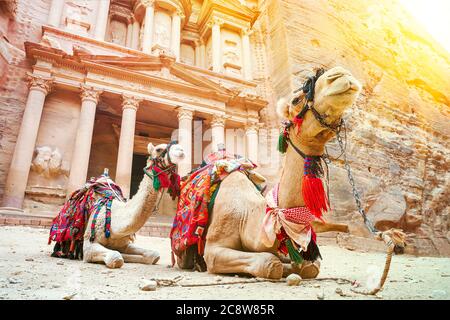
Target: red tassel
(162,176)
(314,195)
(298,123)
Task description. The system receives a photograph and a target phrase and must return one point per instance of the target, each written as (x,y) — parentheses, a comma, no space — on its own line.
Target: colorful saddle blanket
(197,196)
(69,225)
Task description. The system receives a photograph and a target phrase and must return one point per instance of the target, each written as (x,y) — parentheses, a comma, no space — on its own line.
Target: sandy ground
(28,272)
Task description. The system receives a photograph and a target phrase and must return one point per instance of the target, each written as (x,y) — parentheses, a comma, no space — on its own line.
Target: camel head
(170,154)
(335,90)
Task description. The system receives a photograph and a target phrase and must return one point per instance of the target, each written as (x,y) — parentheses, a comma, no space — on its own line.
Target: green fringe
(293,254)
(282,143)
(156,182)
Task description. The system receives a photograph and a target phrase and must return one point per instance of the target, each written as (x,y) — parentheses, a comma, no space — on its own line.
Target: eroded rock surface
(397,133)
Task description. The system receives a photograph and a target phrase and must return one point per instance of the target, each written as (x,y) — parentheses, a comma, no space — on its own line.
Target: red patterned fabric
(70,223)
(285,223)
(190,221)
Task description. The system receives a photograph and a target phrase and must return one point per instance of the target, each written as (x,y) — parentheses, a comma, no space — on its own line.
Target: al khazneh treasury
(86,85)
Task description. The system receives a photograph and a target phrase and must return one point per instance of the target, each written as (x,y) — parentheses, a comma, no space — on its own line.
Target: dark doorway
(137,172)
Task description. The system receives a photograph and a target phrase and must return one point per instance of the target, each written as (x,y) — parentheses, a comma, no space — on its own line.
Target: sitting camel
(235,241)
(128,217)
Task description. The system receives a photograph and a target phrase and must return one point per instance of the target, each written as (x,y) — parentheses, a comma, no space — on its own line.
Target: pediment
(162,72)
(158,67)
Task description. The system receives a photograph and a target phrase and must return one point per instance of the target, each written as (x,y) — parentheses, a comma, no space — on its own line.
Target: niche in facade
(117,32)
(162,28)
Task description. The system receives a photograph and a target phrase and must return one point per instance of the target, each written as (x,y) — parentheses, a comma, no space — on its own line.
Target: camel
(128,217)
(234,241)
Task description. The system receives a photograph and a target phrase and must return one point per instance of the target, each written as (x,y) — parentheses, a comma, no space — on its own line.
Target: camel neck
(290,188)
(141,206)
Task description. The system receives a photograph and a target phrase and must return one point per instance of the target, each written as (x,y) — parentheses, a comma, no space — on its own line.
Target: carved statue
(77,8)
(230,55)
(48,162)
(118,32)
(161,36)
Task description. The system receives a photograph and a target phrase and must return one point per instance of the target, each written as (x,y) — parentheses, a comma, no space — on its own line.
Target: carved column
(102,19)
(129,34)
(126,143)
(135,35)
(148,25)
(246,54)
(216,45)
(54,16)
(202,54)
(16,181)
(185,139)
(240,142)
(198,57)
(251,134)
(82,148)
(217,131)
(176,33)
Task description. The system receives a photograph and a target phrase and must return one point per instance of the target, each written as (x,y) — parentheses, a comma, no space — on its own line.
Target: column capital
(130,102)
(36,82)
(246,31)
(179,13)
(148,3)
(215,21)
(90,93)
(185,114)
(218,120)
(251,127)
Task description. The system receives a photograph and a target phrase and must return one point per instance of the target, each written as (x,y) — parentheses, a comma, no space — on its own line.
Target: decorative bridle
(313,192)
(314,195)
(164,176)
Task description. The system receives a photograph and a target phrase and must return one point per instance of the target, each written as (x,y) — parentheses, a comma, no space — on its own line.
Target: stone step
(152,228)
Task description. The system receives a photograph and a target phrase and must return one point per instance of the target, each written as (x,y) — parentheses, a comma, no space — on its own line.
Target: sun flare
(433,16)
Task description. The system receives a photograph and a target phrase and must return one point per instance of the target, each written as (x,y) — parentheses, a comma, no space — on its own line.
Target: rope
(175,282)
(390,250)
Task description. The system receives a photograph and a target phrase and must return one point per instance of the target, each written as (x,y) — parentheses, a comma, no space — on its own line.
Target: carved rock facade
(227,63)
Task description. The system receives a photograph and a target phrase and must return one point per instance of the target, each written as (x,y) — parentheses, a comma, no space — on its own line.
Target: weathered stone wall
(398,130)
(20,21)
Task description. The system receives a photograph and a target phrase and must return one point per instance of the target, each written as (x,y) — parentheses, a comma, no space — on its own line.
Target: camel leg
(307,270)
(135,254)
(259,264)
(96,253)
(320,227)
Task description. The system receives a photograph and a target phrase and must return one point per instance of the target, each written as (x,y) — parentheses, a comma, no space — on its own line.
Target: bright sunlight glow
(433,15)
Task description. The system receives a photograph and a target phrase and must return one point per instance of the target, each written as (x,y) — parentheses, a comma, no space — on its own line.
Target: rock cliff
(398,130)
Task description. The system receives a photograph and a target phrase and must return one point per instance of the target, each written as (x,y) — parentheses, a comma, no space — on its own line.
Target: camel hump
(238,191)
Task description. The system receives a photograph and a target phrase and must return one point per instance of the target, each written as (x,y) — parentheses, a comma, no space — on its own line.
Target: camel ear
(283,108)
(150,148)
